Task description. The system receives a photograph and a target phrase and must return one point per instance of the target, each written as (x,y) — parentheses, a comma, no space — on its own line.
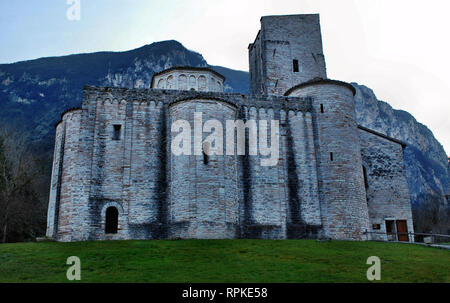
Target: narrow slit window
(205,153)
(366,182)
(205,158)
(321,108)
(117,131)
(295,63)
(331,157)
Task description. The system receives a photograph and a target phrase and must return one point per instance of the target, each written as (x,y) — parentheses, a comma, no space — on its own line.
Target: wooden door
(402,229)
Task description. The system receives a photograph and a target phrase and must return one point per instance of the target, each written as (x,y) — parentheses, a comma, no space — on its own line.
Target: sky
(398,48)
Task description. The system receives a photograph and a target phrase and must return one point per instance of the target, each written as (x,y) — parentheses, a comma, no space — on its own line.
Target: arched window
(182,82)
(202,83)
(112,220)
(161,83)
(193,82)
(170,82)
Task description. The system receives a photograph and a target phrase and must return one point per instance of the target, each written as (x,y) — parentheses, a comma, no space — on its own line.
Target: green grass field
(223,261)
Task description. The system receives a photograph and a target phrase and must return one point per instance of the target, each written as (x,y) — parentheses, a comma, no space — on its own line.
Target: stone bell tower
(287,51)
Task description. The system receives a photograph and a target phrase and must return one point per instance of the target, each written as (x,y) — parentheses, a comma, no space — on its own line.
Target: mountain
(33,94)
(426,162)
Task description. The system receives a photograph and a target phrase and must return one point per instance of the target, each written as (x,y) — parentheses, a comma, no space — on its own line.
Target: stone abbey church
(115,176)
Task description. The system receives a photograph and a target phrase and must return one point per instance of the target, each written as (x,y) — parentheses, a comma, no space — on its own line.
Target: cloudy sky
(398,48)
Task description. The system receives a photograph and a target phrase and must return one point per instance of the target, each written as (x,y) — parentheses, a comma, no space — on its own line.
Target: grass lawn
(222,261)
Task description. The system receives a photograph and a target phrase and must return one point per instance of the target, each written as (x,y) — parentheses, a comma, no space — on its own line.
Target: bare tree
(17,174)
(431,215)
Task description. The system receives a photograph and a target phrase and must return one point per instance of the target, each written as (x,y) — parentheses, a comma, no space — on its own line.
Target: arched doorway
(112,220)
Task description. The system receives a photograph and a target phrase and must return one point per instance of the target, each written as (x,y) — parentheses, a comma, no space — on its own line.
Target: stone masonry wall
(159,195)
(133,172)
(387,188)
(67,193)
(255,63)
(281,40)
(203,199)
(266,205)
(55,182)
(341,186)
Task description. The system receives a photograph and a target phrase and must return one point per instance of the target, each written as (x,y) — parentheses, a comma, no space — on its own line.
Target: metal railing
(418,237)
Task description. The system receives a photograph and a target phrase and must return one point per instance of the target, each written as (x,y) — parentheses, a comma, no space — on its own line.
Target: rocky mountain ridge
(426,162)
